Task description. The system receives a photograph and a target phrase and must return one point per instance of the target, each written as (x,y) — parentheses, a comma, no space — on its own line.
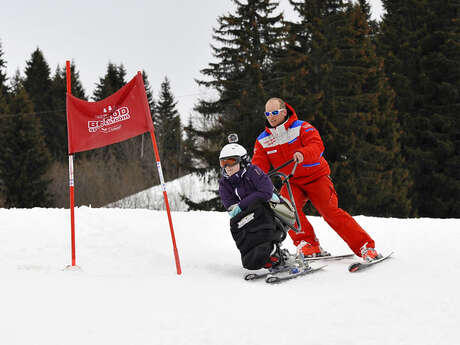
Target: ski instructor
(286,137)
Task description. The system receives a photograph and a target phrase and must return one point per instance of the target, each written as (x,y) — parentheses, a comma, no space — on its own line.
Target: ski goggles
(229,162)
(274,112)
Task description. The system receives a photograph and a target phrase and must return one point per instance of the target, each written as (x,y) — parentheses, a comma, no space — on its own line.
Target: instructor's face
(275,120)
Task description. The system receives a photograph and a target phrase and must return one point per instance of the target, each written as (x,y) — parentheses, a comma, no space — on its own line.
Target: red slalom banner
(121,116)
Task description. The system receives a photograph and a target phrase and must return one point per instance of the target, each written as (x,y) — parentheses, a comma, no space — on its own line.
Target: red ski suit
(311,180)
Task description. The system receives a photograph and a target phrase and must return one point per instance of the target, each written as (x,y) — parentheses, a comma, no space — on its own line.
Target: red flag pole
(165,195)
(71,179)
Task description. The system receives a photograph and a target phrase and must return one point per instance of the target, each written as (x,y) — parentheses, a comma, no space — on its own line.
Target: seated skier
(245,191)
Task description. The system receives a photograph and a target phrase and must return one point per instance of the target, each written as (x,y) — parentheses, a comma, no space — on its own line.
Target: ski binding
(293,267)
(293,273)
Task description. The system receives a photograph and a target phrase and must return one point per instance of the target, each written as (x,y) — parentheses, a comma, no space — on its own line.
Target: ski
(293,273)
(358,266)
(330,257)
(255,276)
(293,266)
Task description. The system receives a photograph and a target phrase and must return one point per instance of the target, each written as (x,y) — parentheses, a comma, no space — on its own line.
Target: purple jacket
(246,186)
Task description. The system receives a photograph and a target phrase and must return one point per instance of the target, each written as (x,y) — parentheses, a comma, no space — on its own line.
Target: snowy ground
(196,188)
(129,293)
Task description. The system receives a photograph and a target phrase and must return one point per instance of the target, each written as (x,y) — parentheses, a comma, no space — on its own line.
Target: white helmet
(232,150)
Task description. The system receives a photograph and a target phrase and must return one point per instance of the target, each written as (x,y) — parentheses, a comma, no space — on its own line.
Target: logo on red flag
(118,117)
(107,121)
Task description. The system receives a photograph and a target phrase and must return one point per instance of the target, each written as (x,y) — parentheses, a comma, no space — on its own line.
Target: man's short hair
(281,103)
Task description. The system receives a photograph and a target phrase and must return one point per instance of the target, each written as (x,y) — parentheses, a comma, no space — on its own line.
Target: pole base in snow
(72,268)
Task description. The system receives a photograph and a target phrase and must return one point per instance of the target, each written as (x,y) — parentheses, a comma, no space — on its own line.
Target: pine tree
(60,83)
(58,98)
(440,90)
(419,41)
(24,158)
(38,85)
(246,44)
(241,76)
(168,132)
(113,81)
(292,64)
(373,24)
(349,101)
(4,90)
(3,76)
(37,81)
(3,111)
(189,146)
(145,138)
(148,92)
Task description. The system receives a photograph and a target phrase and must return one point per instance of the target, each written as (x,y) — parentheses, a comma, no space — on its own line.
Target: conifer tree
(350,103)
(168,132)
(373,24)
(113,81)
(60,83)
(58,97)
(292,65)
(3,110)
(3,85)
(37,81)
(246,43)
(148,92)
(145,138)
(38,84)
(3,76)
(24,158)
(419,41)
(189,146)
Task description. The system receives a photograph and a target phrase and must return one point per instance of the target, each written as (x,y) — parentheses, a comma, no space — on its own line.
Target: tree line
(33,140)
(384,95)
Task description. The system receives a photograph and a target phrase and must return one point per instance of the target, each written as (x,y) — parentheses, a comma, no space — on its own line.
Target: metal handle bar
(293,170)
(274,171)
(291,197)
(280,167)
(286,178)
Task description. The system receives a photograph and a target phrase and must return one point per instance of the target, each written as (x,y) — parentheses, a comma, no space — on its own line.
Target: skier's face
(232,169)
(275,120)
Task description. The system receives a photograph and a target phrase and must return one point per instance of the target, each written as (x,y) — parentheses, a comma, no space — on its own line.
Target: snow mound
(196,188)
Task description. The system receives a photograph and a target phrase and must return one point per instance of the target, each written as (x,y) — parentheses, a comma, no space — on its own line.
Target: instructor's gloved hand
(234,211)
(275,198)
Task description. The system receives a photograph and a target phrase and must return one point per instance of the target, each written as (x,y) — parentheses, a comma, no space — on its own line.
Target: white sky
(165,38)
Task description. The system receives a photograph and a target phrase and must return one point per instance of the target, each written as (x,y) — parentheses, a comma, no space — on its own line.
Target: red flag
(118,117)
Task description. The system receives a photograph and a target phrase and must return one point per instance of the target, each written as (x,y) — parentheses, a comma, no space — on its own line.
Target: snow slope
(196,188)
(129,293)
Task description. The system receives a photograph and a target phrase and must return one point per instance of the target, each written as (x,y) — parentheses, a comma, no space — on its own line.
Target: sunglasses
(229,162)
(274,112)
